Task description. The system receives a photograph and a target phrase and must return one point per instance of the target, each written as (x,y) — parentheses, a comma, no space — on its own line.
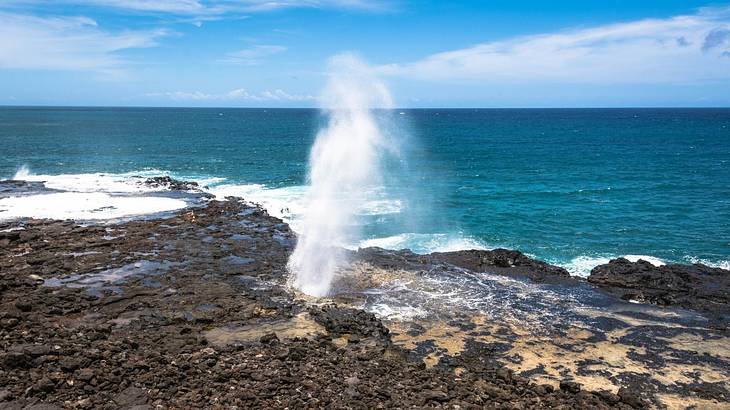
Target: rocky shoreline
(193,310)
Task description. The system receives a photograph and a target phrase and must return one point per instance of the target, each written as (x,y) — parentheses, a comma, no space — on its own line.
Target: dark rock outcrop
(498,261)
(502,261)
(695,286)
(339,321)
(171,184)
(11,187)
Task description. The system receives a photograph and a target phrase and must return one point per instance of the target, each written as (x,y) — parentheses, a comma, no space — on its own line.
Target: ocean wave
(424,243)
(88,183)
(286,203)
(105,196)
(582,265)
(85,206)
(90,196)
(112,183)
(722,264)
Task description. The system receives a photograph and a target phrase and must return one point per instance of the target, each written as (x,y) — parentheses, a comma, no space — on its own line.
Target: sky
(274,53)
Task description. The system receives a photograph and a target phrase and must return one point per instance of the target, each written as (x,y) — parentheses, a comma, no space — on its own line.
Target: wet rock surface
(695,286)
(498,261)
(10,187)
(163,313)
(698,287)
(171,184)
(511,312)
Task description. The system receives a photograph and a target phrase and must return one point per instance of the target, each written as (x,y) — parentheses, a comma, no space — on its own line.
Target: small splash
(22,173)
(582,265)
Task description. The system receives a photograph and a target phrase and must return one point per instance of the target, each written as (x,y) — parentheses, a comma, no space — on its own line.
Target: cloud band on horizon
(685,49)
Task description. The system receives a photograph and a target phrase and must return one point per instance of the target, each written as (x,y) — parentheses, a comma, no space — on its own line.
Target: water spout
(344,167)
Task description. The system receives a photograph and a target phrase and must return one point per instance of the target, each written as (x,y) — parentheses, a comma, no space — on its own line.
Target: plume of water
(344,167)
(22,173)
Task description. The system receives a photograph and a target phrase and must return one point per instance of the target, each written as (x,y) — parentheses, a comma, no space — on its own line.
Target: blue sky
(270,53)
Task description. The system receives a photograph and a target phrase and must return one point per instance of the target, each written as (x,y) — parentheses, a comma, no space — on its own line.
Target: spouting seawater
(344,167)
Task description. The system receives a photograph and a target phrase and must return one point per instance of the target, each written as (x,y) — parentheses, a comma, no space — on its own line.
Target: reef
(193,310)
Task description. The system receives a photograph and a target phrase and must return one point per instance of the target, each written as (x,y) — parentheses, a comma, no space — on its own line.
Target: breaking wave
(113,196)
(582,265)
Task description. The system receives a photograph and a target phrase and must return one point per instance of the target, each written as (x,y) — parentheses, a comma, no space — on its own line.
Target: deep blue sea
(570,186)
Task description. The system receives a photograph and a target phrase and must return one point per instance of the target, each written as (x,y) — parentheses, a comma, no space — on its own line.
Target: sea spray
(344,169)
(22,173)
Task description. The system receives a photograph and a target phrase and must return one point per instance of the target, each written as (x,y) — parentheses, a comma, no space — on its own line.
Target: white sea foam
(124,183)
(582,265)
(424,243)
(399,313)
(89,196)
(722,264)
(84,206)
(651,259)
(286,203)
(432,293)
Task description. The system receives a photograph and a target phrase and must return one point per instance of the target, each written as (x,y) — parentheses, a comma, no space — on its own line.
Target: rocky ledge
(171,184)
(697,286)
(193,311)
(498,261)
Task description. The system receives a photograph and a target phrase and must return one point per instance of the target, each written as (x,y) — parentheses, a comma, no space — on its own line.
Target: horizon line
(628,107)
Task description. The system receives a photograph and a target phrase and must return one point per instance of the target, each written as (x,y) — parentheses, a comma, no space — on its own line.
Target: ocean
(574,187)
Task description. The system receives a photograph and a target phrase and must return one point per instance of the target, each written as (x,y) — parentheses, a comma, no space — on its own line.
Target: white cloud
(164,6)
(681,49)
(66,43)
(239,94)
(214,7)
(253,55)
(365,5)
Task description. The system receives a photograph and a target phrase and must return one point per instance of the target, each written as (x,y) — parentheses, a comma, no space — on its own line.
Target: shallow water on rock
(111,276)
(441,291)
(548,332)
(301,325)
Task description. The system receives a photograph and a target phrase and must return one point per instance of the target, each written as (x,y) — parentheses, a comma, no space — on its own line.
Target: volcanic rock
(697,286)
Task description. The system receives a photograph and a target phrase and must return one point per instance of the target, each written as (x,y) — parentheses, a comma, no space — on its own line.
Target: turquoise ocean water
(570,186)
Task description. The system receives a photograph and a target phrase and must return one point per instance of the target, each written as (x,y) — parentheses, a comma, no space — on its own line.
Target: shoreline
(202,294)
(150,189)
